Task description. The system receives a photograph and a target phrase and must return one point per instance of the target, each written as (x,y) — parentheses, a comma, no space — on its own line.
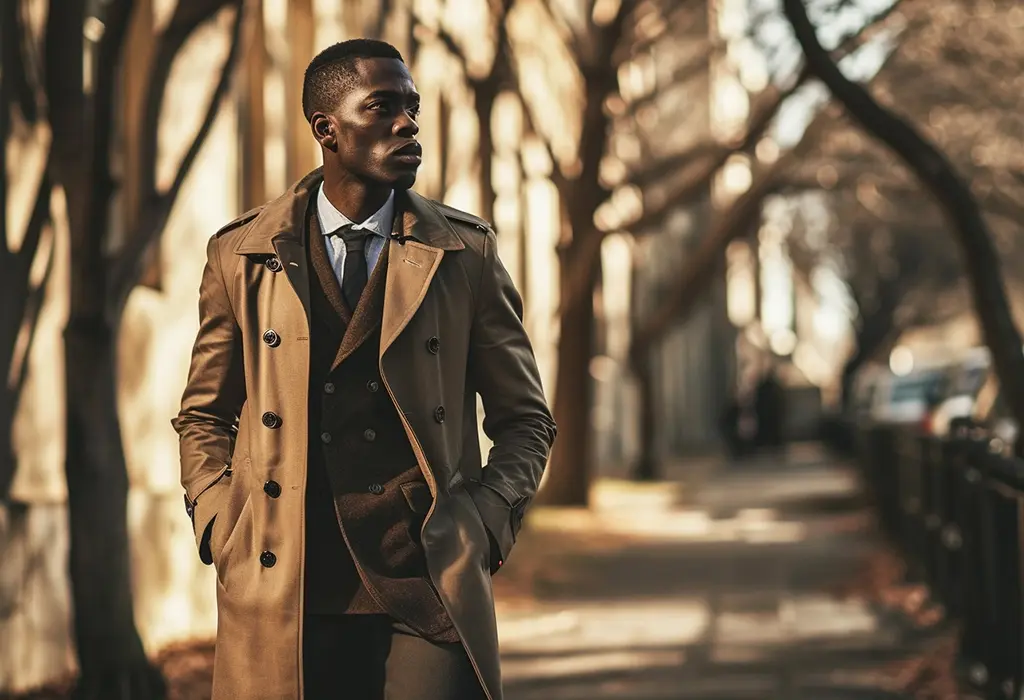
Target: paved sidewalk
(729,590)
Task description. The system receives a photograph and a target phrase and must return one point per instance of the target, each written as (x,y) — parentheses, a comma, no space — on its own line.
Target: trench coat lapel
(279,229)
(367,315)
(420,237)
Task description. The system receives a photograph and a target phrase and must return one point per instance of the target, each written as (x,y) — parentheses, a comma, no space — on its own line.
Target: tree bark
(112,660)
(110,653)
(647,467)
(568,475)
(941,179)
(484,94)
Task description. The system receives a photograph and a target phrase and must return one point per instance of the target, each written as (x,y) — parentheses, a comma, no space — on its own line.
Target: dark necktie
(354,277)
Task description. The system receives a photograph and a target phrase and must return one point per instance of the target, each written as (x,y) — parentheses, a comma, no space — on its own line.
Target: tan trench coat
(445,282)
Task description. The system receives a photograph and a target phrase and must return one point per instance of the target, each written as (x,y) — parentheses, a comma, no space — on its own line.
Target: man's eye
(378,106)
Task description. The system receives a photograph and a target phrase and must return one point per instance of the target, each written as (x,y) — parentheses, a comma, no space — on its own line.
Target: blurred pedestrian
(769,405)
(346,328)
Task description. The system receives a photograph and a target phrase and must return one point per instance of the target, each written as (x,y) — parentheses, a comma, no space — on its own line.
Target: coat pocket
(417,495)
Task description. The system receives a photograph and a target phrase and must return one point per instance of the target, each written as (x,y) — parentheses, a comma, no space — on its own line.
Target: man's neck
(355,198)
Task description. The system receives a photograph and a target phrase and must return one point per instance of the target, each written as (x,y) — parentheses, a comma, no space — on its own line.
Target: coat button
(325,438)
(273,264)
(271,338)
(373,386)
(272,489)
(328,388)
(376,489)
(439,414)
(268,559)
(271,420)
(433,345)
(369,434)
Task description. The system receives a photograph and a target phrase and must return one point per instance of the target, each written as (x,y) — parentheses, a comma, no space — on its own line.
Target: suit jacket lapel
(367,316)
(340,315)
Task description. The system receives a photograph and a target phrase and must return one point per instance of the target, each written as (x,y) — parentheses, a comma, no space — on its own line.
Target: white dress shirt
(379,225)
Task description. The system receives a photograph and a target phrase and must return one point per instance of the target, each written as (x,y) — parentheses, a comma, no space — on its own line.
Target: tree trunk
(484,94)
(952,194)
(646,467)
(568,479)
(111,657)
(875,330)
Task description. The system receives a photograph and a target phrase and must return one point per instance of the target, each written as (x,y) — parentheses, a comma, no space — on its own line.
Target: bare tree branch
(703,263)
(939,176)
(30,318)
(20,89)
(37,221)
(188,16)
(156,207)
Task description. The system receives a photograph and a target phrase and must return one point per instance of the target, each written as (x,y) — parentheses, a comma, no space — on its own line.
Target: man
(329,449)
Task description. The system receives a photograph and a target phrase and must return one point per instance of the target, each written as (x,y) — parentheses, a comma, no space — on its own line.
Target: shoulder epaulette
(466,218)
(241,220)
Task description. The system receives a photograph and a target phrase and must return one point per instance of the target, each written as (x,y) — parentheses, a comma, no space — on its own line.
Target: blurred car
(909,400)
(966,380)
(992,413)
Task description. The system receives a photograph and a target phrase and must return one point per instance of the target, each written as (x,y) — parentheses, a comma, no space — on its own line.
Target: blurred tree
(486,85)
(740,218)
(970,108)
(82,86)
(953,195)
(22,295)
(594,41)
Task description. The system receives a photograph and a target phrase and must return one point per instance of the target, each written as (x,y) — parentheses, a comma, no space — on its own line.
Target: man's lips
(412,152)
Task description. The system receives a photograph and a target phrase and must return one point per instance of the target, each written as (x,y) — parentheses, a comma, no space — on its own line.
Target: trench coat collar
(284,219)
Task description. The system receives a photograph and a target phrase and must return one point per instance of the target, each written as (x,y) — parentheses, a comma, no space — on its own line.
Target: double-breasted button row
(439,414)
(272,488)
(373,386)
(376,489)
(273,264)
(369,434)
(271,420)
(433,345)
(271,338)
(268,559)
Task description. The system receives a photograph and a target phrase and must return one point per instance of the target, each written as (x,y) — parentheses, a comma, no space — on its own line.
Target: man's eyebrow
(393,94)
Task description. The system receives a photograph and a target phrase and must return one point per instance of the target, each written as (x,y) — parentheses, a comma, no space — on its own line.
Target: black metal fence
(955,508)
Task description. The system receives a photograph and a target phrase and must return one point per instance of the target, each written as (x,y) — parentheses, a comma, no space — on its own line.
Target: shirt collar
(379,223)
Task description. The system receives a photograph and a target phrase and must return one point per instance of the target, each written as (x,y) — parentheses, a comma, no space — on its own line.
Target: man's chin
(404,181)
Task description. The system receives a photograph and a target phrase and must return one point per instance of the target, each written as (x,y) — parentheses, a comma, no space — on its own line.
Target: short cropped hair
(332,72)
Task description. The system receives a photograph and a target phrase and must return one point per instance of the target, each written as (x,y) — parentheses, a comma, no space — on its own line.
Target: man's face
(374,125)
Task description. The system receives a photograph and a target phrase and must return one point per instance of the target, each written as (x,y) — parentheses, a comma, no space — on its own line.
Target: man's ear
(323,130)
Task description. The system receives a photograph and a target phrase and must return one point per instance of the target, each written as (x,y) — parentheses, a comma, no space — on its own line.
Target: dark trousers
(372,657)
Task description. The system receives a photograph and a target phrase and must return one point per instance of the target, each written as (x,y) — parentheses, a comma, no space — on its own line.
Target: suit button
(373,386)
(439,414)
(433,345)
(273,264)
(325,438)
(268,559)
(369,435)
(328,388)
(271,338)
(376,489)
(271,420)
(272,489)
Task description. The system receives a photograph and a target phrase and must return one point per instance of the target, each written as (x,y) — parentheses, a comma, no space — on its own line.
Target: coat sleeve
(211,403)
(503,369)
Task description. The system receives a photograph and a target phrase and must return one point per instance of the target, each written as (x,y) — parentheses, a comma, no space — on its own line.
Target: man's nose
(405,125)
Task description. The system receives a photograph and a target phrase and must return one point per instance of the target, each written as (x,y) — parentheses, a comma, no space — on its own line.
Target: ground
(759,580)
